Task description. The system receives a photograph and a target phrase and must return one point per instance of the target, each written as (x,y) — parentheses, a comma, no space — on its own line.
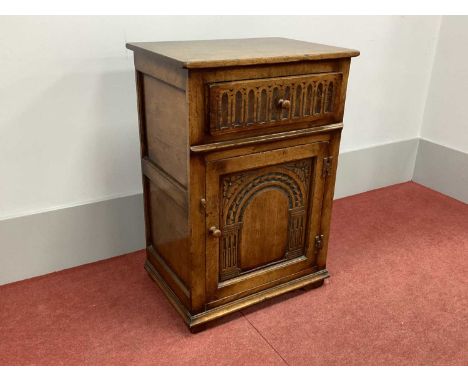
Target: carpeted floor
(397,296)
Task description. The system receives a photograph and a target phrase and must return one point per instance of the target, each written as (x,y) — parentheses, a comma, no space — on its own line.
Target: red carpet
(397,296)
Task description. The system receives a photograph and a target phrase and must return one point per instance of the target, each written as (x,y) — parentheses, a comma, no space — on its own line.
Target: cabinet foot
(198,328)
(313,285)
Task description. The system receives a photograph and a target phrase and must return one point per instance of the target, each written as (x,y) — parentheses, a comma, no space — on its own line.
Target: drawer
(259,104)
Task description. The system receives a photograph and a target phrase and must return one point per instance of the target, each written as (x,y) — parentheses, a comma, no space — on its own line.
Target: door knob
(214,231)
(284,104)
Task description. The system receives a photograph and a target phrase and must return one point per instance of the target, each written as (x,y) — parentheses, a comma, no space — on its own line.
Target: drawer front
(255,104)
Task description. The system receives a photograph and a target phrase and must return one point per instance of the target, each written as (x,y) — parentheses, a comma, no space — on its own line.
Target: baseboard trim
(443,169)
(375,167)
(50,241)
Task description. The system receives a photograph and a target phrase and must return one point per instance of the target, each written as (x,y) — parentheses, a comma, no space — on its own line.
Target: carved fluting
(229,251)
(238,190)
(255,103)
(329,98)
(296,225)
(318,99)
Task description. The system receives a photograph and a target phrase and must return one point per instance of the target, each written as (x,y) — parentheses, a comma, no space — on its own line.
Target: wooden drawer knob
(215,231)
(284,104)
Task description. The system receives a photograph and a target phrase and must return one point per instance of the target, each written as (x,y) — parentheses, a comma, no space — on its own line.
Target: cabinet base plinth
(197,322)
(314,285)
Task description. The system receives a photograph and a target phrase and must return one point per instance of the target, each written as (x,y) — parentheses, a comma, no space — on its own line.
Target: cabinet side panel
(164,150)
(166,127)
(169,231)
(166,208)
(165,69)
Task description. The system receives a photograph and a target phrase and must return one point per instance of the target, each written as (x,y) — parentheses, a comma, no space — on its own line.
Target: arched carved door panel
(267,207)
(275,199)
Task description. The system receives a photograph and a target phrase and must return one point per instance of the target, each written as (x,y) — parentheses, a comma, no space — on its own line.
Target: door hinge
(327,166)
(318,242)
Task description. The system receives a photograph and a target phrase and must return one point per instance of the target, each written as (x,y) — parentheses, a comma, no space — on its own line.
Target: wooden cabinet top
(238,52)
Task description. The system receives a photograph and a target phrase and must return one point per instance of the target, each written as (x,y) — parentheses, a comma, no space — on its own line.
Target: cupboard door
(262,217)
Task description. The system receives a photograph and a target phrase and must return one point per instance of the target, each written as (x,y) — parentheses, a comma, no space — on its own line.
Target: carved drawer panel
(252,104)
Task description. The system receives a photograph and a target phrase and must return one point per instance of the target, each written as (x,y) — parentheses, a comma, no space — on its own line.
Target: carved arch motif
(280,181)
(292,179)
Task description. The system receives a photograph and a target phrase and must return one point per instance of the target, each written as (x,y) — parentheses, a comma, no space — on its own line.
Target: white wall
(68,122)
(445,118)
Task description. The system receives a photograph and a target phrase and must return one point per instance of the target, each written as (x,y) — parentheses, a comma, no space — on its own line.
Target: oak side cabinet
(239,148)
